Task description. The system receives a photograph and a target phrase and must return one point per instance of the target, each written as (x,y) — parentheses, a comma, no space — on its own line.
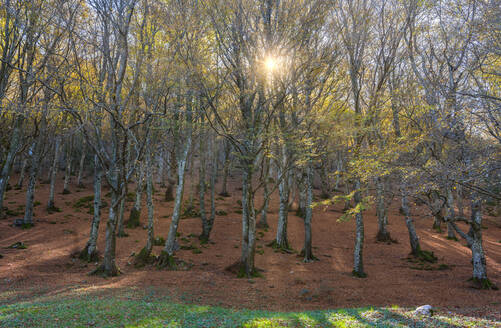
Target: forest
(273,155)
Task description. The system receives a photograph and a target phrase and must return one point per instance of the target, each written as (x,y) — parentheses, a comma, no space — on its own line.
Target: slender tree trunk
(109,266)
(81,168)
(413,238)
(358,264)
(226,169)
(263,222)
(281,240)
(135,212)
(248,224)
(20,182)
(149,202)
(474,241)
(89,253)
(202,187)
(15,143)
(213,176)
(34,154)
(450,214)
(67,173)
(308,215)
(54,168)
(383,234)
(170,245)
(459,197)
(338,169)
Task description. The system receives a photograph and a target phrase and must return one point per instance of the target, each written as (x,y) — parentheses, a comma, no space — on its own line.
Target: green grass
(152,311)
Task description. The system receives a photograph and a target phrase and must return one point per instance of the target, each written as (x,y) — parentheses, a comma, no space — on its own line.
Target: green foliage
(146,311)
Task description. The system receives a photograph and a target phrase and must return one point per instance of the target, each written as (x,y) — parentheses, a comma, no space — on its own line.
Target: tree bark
(81,168)
(54,168)
(34,154)
(308,215)
(89,253)
(14,146)
(383,234)
(67,173)
(409,222)
(358,264)
(281,240)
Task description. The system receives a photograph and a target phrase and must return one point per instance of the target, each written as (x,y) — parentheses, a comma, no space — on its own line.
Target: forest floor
(47,269)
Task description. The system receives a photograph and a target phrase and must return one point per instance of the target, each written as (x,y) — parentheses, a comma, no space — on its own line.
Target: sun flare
(271,64)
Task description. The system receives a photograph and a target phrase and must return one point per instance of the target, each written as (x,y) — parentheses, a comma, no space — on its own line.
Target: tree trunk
(248,224)
(67,173)
(358,264)
(149,202)
(9,160)
(20,182)
(450,215)
(89,253)
(34,154)
(81,168)
(308,216)
(413,238)
(170,244)
(281,240)
(202,186)
(135,212)
(383,234)
(474,241)
(54,168)
(226,169)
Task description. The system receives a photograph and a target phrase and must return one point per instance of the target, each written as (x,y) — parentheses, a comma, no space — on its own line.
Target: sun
(271,64)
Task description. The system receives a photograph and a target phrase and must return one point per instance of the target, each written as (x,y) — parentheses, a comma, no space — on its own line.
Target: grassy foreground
(111,311)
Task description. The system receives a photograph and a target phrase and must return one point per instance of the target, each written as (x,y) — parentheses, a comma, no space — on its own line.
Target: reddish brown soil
(287,284)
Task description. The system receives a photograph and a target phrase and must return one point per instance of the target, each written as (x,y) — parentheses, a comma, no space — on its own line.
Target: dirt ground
(288,284)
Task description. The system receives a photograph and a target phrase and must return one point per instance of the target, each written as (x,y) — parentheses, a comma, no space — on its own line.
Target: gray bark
(450,214)
(90,250)
(149,201)
(382,217)
(170,244)
(34,154)
(53,175)
(409,222)
(81,168)
(67,173)
(20,182)
(358,264)
(15,143)
(308,215)
(281,240)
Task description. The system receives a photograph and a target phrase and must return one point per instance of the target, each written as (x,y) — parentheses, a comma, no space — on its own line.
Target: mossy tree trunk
(409,222)
(382,218)
(89,253)
(182,161)
(308,215)
(474,241)
(358,262)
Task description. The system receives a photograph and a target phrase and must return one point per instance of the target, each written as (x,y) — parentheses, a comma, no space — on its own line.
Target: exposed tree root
(385,237)
(143,258)
(483,284)
(283,248)
(359,274)
(133,221)
(85,256)
(103,272)
(238,269)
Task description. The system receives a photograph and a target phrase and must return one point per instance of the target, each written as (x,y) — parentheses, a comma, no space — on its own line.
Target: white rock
(424,310)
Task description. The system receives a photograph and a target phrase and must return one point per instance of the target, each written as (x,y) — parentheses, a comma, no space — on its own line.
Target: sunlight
(271,63)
